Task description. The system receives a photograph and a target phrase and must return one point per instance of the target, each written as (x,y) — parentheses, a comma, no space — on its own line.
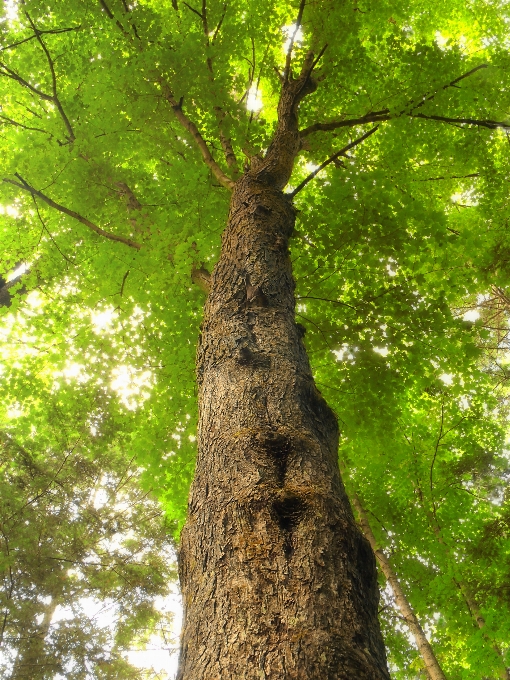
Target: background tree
(405,220)
(84,557)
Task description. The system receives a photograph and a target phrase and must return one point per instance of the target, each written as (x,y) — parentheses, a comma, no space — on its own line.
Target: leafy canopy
(108,113)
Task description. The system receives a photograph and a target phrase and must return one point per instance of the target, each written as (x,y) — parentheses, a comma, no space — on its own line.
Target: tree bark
(432,666)
(277,580)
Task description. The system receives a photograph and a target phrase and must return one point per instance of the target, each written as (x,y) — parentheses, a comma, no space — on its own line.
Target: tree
(145,112)
(77,534)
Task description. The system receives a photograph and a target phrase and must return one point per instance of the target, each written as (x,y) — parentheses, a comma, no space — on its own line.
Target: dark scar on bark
(278,447)
(289,512)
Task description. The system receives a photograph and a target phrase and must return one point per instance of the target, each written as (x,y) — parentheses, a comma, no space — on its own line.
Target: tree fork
(277,580)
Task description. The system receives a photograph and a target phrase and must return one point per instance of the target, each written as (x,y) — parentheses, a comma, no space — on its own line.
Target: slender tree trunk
(471,604)
(277,580)
(427,653)
(32,660)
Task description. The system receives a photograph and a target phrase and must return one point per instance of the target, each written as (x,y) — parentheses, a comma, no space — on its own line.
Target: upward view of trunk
(434,670)
(277,580)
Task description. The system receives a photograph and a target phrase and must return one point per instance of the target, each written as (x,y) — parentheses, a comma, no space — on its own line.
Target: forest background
(110,223)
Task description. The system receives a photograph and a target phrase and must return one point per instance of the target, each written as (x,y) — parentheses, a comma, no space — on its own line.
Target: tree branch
(54,31)
(202,278)
(188,125)
(332,158)
(288,59)
(372,117)
(218,27)
(111,15)
(427,98)
(194,10)
(490,124)
(384,114)
(71,136)
(10,121)
(22,184)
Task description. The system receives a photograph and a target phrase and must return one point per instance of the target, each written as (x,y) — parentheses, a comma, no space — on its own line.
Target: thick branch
(331,159)
(188,125)
(71,213)
(276,167)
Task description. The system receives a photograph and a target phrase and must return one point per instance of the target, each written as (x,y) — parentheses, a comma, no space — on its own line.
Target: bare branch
(226,142)
(319,57)
(22,184)
(45,228)
(188,125)
(204,19)
(9,73)
(54,31)
(288,59)
(342,152)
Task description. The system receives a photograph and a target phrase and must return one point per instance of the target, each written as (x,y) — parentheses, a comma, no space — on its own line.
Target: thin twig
(218,27)
(332,158)
(25,127)
(48,232)
(22,184)
(193,10)
(54,31)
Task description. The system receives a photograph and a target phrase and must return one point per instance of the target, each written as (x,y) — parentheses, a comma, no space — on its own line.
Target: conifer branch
(22,184)
(188,125)
(331,159)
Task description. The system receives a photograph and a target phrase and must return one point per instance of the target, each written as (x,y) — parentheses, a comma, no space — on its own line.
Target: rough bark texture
(434,670)
(277,580)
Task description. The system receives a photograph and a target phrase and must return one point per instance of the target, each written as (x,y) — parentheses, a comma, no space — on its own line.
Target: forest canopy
(123,126)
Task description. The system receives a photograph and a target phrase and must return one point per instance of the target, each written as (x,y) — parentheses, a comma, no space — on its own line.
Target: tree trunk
(32,660)
(432,666)
(277,580)
(472,606)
